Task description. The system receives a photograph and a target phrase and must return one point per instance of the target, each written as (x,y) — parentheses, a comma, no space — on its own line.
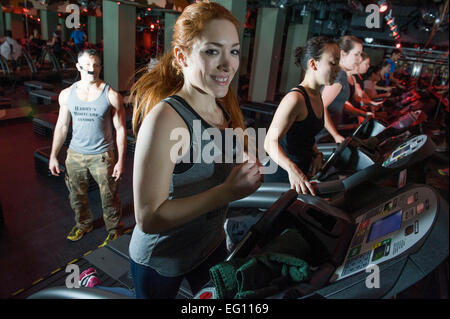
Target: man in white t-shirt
(10,49)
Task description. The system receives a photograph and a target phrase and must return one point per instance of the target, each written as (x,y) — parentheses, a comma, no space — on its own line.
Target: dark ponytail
(313,49)
(347,43)
(298,53)
(373,69)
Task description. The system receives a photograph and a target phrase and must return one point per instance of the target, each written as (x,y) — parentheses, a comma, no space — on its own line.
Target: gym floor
(36,210)
(37,215)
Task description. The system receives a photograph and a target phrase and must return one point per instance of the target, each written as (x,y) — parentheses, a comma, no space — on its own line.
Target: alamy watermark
(73,19)
(73,279)
(373,279)
(226,146)
(373,19)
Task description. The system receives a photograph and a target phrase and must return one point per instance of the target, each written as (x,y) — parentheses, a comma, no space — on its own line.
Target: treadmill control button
(410,213)
(420,208)
(364,224)
(357,263)
(387,248)
(354,251)
(378,253)
(409,230)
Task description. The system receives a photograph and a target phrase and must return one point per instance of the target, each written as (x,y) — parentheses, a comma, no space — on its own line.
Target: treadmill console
(389,230)
(406,149)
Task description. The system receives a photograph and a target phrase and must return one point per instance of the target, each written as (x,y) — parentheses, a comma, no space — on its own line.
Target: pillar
(15,23)
(245,54)
(238,9)
(2,23)
(94,29)
(169,23)
(119,35)
(297,36)
(49,20)
(266,54)
(65,32)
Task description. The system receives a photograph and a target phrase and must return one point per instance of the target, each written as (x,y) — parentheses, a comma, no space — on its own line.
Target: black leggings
(149,284)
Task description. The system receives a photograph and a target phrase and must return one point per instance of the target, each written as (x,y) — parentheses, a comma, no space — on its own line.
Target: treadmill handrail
(264,197)
(76,293)
(360,126)
(281,203)
(268,193)
(329,187)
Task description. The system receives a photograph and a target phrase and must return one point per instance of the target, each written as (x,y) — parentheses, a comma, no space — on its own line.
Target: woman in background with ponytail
(180,207)
(336,95)
(290,140)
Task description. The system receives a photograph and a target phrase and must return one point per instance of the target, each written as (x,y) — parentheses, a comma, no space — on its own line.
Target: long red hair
(165,77)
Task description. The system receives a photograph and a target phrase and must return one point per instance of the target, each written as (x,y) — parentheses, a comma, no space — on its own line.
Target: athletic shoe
(85,275)
(88,278)
(88,272)
(108,239)
(78,233)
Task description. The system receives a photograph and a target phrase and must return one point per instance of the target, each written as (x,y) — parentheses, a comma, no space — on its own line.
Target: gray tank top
(336,108)
(92,127)
(179,250)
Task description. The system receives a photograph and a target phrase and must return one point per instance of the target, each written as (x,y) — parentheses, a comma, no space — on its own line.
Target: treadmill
(332,232)
(404,234)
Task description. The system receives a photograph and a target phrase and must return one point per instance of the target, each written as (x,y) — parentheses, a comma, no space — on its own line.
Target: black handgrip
(247,243)
(329,187)
(363,123)
(332,159)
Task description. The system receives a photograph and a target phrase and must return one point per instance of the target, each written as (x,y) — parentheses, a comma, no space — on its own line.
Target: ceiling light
(383,6)
(304,11)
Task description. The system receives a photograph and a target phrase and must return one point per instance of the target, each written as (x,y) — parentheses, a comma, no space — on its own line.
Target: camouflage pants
(100,167)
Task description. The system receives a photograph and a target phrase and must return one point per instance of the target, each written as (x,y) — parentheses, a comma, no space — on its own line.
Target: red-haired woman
(180,203)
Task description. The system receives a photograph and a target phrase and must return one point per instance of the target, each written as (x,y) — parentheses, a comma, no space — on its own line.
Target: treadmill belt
(58,279)
(113,264)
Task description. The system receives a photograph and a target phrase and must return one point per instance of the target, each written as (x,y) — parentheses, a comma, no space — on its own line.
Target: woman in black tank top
(290,141)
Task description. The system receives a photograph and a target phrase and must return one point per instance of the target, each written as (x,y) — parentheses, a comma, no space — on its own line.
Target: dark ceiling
(419,22)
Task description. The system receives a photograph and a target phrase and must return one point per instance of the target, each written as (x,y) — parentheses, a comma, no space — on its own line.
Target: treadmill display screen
(385,226)
(400,151)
